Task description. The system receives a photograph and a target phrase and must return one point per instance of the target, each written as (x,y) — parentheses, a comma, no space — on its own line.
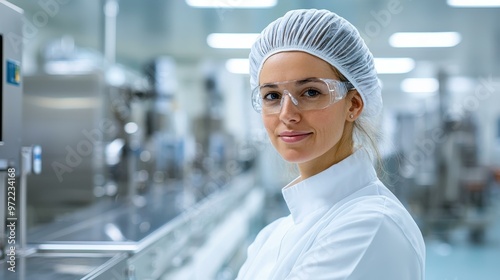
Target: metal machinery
(90,131)
(10,117)
(120,196)
(464,180)
(436,170)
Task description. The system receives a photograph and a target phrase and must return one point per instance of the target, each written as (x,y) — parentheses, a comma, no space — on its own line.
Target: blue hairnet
(328,36)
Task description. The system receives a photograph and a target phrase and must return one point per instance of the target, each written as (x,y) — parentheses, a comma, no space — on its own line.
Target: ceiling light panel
(425,39)
(420,85)
(231,40)
(474,3)
(228,4)
(394,65)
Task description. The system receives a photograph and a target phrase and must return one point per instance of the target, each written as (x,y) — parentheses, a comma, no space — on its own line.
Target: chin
(294,156)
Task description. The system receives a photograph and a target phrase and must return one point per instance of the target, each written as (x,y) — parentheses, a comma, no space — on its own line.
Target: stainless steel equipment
(65,116)
(92,131)
(10,121)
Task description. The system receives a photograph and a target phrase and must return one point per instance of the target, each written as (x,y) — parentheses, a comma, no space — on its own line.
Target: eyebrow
(306,80)
(298,82)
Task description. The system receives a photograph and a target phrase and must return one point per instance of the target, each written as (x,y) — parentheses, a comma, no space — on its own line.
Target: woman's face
(309,138)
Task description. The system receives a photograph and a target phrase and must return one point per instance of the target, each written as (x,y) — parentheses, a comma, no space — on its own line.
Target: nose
(286,92)
(289,110)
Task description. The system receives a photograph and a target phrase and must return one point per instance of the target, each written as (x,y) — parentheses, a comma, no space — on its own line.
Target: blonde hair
(364,132)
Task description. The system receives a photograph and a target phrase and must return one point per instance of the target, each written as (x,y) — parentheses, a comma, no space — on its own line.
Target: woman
(317,91)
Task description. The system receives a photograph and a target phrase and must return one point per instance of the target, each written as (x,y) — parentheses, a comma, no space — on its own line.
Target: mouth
(293,136)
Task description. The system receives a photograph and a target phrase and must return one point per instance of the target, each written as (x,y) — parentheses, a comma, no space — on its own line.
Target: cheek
(269,124)
(331,124)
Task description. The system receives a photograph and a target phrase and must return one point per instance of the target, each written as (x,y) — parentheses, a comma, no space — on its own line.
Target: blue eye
(311,93)
(272,96)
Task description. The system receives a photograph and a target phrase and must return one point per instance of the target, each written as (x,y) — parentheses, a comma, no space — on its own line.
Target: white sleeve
(364,244)
(256,246)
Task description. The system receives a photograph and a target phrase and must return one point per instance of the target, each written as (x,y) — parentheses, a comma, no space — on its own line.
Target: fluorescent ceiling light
(231,40)
(232,3)
(420,85)
(394,65)
(238,65)
(424,39)
(474,3)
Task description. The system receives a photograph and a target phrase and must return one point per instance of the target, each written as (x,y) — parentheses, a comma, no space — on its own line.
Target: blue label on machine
(13,73)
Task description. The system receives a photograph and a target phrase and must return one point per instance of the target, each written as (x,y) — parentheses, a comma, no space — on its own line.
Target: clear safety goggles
(306,94)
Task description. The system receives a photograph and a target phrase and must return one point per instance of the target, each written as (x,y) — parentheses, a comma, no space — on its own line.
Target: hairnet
(328,36)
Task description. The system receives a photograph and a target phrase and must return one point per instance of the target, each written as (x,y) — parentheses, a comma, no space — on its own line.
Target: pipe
(111,8)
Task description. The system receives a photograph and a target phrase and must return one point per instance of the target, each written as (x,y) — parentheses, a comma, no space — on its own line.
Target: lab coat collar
(323,190)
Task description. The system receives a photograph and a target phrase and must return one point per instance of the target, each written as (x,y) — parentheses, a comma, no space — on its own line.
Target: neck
(309,169)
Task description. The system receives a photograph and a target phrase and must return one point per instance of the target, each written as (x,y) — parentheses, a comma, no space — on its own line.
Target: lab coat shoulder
(368,237)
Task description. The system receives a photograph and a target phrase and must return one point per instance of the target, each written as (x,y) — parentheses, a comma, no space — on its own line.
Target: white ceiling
(150,28)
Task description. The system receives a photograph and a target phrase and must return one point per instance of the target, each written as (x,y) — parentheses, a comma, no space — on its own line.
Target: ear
(354,105)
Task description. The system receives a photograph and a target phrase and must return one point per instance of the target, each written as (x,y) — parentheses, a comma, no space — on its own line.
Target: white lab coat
(344,224)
